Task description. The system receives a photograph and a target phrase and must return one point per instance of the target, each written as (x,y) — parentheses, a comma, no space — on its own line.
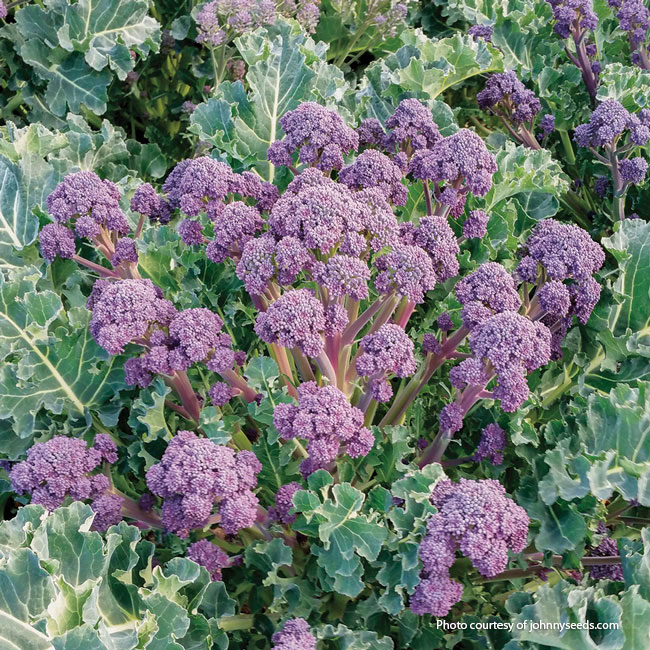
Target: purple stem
(470,395)
(405,396)
(236,381)
(351,331)
(104,272)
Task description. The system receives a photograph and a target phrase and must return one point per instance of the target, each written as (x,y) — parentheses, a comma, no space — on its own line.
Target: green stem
(237,622)
(568,147)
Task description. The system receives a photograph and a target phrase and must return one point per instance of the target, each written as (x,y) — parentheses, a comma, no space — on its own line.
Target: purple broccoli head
(607,123)
(508,97)
(194,474)
(461,160)
(374,169)
(295,635)
(62,468)
(325,418)
(296,319)
(492,444)
(407,271)
(284,503)
(57,241)
(476,518)
(210,556)
(318,134)
(488,290)
(512,345)
(125,310)
(84,194)
(411,127)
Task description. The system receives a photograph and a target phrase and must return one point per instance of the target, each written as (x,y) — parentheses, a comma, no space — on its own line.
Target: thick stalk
(568,147)
(180,383)
(132,510)
(512,574)
(236,381)
(104,272)
(405,311)
(303,365)
(585,66)
(618,202)
(279,354)
(370,414)
(351,331)
(427,197)
(326,368)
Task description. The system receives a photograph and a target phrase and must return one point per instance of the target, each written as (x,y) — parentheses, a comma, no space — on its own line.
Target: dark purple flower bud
(220,393)
(317,133)
(374,169)
(125,251)
(481,32)
(493,442)
(430,344)
(284,503)
(57,241)
(475,226)
(444,322)
(210,556)
(633,170)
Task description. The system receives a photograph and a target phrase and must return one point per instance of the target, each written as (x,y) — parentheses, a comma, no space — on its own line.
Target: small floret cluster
(572,15)
(125,310)
(609,122)
(194,475)
(296,319)
(476,518)
(461,162)
(319,136)
(487,291)
(607,548)
(264,259)
(221,20)
(567,254)
(506,96)
(372,168)
(388,351)
(145,201)
(92,206)
(210,556)
(295,635)
(493,443)
(64,468)
(325,418)
(84,194)
(634,18)
(281,512)
(133,311)
(483,32)
(509,345)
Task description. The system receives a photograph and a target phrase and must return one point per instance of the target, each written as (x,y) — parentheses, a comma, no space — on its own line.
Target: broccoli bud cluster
(194,475)
(66,467)
(476,518)
(325,418)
